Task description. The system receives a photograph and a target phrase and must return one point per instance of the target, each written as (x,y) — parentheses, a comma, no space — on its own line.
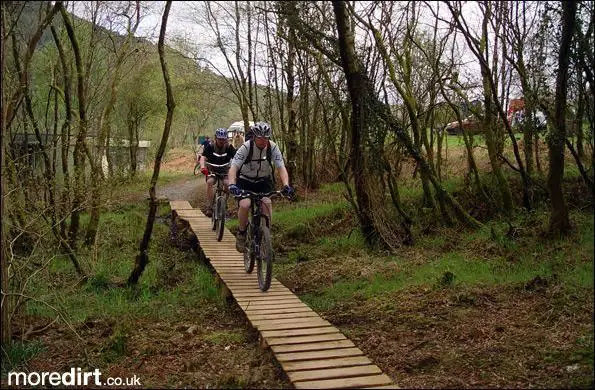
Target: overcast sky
(180,24)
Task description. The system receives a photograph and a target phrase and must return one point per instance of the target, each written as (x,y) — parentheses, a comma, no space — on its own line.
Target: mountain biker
(219,152)
(256,174)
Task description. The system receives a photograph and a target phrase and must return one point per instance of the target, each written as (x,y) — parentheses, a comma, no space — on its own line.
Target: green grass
(173,279)
(569,263)
(288,217)
(341,244)
(16,355)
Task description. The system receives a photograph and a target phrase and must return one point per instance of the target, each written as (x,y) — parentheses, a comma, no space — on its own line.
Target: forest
(442,154)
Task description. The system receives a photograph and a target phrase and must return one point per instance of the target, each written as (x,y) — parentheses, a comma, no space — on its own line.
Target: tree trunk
(292,146)
(578,124)
(79,157)
(143,257)
(358,93)
(64,195)
(4,256)
(559,219)
(103,144)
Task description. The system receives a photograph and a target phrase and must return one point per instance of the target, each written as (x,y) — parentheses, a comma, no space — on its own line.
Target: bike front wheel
(264,259)
(214,213)
(249,255)
(220,218)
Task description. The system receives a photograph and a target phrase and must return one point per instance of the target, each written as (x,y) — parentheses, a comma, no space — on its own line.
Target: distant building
(26,150)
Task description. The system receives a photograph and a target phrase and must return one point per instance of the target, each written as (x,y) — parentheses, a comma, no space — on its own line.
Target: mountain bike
(219,202)
(259,247)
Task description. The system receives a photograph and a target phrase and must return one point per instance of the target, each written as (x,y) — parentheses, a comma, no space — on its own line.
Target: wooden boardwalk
(313,353)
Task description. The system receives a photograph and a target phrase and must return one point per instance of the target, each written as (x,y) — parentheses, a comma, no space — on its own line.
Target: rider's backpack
(269,157)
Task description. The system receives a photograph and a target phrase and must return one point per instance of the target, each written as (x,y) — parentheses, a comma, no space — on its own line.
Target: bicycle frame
(219,200)
(258,238)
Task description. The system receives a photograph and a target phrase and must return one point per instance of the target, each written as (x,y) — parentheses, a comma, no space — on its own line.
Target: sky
(182,24)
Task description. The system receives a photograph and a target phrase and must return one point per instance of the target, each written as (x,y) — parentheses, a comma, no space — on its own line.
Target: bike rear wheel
(249,255)
(220,219)
(264,259)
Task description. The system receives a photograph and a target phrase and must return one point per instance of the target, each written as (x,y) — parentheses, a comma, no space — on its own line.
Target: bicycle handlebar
(217,166)
(259,195)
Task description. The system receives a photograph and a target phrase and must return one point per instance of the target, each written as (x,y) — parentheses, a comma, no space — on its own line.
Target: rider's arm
(283,175)
(205,156)
(277,159)
(237,162)
(231,174)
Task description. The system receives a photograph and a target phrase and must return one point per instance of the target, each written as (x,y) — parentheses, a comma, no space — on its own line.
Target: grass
(161,284)
(225,337)
(16,355)
(462,258)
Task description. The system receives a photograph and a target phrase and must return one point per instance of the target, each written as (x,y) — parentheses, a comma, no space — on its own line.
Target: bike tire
(214,213)
(221,206)
(249,255)
(196,169)
(264,260)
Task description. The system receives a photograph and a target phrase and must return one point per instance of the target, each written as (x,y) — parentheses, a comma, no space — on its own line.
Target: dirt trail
(191,188)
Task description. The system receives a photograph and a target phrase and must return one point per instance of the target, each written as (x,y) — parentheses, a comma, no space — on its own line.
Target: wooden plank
(241,284)
(282,298)
(287,299)
(284,321)
(298,332)
(325,354)
(275,308)
(326,363)
(345,382)
(274,289)
(262,317)
(237,263)
(305,339)
(228,255)
(332,373)
(179,204)
(313,346)
(279,311)
(295,325)
(271,305)
(186,214)
(256,293)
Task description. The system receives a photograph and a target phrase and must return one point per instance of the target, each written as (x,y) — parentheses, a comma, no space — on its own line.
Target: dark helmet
(221,133)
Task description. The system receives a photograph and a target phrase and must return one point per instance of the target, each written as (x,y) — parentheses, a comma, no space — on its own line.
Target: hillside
(204,100)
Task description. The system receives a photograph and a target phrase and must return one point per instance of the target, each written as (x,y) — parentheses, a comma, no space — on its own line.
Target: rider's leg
(243,218)
(210,183)
(267,209)
(243,214)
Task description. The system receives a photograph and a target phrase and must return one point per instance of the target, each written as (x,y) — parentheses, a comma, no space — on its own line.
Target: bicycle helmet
(221,133)
(261,129)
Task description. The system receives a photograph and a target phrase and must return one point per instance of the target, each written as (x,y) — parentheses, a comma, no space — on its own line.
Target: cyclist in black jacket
(219,152)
